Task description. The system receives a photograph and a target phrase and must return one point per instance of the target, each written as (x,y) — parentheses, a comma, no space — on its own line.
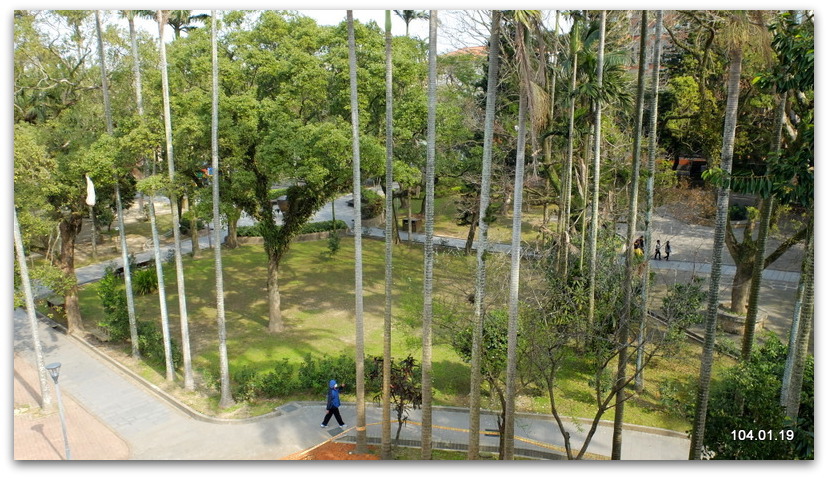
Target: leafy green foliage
(115,319)
(747,398)
(309,228)
(144,281)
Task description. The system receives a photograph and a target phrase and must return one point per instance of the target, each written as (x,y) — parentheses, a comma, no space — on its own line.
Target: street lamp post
(54,371)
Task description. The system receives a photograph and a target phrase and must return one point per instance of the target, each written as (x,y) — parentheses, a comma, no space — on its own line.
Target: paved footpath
(108,404)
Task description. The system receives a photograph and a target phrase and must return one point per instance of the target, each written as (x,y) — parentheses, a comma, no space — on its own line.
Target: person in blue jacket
(333,404)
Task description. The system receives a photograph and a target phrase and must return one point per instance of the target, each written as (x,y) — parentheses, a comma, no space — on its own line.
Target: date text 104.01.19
(762,435)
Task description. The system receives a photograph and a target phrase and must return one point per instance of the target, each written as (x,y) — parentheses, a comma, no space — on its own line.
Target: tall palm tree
(793,391)
(133,326)
(722,196)
(189,383)
(765,213)
(389,242)
(45,396)
(482,242)
(624,323)
(566,189)
(361,445)
(648,215)
(409,15)
(596,173)
(428,262)
(523,20)
(224,367)
(156,243)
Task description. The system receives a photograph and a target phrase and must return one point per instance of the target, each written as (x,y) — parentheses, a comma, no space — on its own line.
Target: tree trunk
(480,275)
(189,382)
(45,395)
(794,391)
(194,229)
(706,371)
(765,213)
(232,239)
(648,217)
(274,300)
(69,228)
(162,293)
(361,435)
(630,269)
(390,239)
(431,138)
(226,399)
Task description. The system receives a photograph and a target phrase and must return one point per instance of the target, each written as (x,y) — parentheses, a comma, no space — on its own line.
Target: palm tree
(389,241)
(523,20)
(428,247)
(765,213)
(648,215)
(361,445)
(409,15)
(133,326)
(159,268)
(224,368)
(483,226)
(624,323)
(566,190)
(596,174)
(793,391)
(697,434)
(45,396)
(189,383)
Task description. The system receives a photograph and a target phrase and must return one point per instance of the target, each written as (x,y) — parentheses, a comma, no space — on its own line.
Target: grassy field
(318,302)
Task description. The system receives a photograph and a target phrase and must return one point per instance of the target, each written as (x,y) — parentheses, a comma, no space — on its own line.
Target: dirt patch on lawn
(331,451)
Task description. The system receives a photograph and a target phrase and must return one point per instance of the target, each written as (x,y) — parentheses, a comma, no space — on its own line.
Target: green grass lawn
(318,304)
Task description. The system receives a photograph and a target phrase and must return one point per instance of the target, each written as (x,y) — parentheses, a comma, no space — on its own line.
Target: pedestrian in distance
(333,404)
(657,250)
(638,246)
(667,251)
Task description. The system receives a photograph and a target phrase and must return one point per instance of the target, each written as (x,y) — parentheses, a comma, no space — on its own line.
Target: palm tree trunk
(389,240)
(28,295)
(793,337)
(566,192)
(766,211)
(226,399)
(189,383)
(706,371)
(794,390)
(514,282)
(429,236)
(361,438)
(632,216)
(648,216)
(596,176)
(482,242)
(133,327)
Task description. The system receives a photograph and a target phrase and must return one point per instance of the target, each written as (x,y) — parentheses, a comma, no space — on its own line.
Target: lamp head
(54,370)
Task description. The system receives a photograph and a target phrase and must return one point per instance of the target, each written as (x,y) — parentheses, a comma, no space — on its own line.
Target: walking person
(667,251)
(333,404)
(657,250)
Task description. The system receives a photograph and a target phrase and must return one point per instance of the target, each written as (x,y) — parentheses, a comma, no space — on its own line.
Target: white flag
(90,192)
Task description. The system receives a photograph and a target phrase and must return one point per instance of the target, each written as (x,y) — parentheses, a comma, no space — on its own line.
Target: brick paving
(38,434)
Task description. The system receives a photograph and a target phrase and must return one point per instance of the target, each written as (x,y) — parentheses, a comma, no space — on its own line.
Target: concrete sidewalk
(113,414)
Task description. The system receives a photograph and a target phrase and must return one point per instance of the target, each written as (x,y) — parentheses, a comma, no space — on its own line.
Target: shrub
(280,382)
(115,321)
(372,204)
(151,345)
(242,383)
(144,281)
(314,374)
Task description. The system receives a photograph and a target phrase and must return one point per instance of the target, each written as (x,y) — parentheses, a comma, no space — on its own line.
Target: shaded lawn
(317,307)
